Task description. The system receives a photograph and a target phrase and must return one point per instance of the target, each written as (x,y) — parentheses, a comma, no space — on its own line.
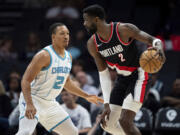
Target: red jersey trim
(118,35)
(126,68)
(143,89)
(106,41)
(94,38)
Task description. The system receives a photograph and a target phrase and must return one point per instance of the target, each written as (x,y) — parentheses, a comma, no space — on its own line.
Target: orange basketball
(150,61)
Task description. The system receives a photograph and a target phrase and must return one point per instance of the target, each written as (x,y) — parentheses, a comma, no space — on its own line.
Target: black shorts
(135,84)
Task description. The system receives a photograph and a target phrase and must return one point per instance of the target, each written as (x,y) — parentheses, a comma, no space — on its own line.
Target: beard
(92,29)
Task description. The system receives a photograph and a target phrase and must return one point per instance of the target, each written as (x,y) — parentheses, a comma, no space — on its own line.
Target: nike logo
(100,44)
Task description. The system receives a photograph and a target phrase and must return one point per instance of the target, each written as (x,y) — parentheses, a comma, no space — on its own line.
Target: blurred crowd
(17,48)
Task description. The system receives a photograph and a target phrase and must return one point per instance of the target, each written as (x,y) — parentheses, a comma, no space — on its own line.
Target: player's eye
(62,33)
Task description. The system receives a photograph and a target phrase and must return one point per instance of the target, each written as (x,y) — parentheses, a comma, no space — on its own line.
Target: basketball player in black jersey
(111,46)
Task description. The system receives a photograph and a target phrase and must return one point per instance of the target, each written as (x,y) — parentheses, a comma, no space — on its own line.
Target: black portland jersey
(124,57)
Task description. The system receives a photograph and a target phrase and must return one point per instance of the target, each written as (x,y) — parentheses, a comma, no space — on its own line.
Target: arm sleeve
(106,84)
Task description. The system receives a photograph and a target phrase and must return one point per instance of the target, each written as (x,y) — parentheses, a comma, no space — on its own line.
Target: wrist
(157,44)
(29,103)
(85,96)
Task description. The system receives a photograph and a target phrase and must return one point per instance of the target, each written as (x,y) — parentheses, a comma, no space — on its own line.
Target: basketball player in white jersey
(43,81)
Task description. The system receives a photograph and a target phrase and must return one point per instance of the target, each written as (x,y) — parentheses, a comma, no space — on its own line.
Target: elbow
(24,82)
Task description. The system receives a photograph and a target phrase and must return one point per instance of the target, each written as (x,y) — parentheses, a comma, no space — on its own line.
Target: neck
(71,106)
(104,30)
(59,50)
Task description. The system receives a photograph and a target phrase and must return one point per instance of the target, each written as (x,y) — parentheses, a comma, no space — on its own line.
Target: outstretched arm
(128,31)
(72,88)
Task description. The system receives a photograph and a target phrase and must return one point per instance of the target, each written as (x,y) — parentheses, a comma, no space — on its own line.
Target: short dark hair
(52,28)
(95,11)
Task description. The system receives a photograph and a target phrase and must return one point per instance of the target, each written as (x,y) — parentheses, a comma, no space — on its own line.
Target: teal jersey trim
(24,117)
(70,57)
(46,68)
(59,123)
(58,54)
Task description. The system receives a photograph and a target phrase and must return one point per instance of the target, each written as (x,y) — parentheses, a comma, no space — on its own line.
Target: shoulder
(42,55)
(90,41)
(126,26)
(42,58)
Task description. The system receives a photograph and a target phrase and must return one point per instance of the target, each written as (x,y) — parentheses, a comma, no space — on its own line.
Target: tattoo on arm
(136,33)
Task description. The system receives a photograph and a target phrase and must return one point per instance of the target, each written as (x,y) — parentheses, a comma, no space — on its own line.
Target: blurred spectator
(13,120)
(79,115)
(14,74)
(33,45)
(154,90)
(5,104)
(81,100)
(78,49)
(14,117)
(77,67)
(96,126)
(14,89)
(7,52)
(82,78)
(62,9)
(36,3)
(173,100)
(96,129)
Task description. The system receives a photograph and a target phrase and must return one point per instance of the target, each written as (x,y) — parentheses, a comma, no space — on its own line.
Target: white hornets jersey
(50,81)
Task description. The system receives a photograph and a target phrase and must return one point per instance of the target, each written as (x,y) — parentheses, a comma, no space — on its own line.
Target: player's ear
(53,36)
(96,19)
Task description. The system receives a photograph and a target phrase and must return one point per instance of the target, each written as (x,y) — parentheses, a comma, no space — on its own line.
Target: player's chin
(66,45)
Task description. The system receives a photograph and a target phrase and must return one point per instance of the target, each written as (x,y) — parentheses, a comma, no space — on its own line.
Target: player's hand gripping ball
(151,61)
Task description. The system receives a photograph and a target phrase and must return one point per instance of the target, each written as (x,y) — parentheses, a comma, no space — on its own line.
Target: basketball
(151,61)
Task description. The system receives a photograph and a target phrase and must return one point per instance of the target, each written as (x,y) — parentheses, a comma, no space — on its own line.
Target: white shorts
(49,113)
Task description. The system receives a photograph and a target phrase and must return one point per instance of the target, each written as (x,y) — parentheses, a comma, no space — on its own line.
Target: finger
(100,100)
(94,102)
(34,112)
(102,123)
(31,115)
(108,116)
(28,115)
(103,119)
(152,48)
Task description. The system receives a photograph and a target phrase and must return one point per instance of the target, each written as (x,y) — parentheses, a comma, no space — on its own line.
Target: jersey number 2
(121,57)
(59,81)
